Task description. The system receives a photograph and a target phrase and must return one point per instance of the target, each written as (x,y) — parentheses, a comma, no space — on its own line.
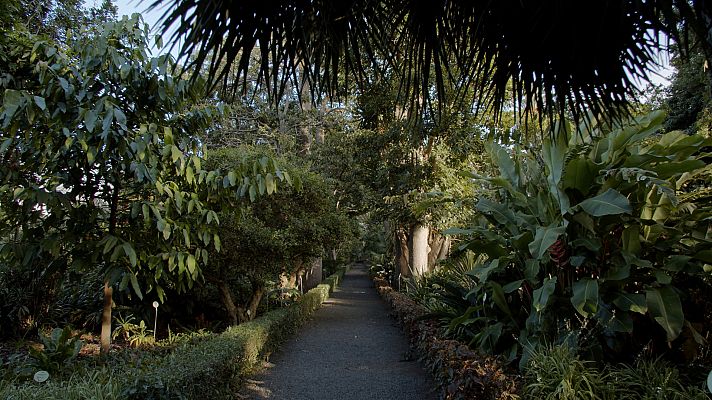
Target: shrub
(59,349)
(555,372)
(209,368)
(336,278)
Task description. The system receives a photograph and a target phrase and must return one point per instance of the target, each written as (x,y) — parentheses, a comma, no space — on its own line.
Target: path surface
(351,349)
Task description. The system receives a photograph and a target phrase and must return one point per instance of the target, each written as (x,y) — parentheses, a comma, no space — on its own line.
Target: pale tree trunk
(106,318)
(419,249)
(313,274)
(439,249)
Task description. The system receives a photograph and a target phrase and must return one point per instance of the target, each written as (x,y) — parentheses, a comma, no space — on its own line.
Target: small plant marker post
(155,320)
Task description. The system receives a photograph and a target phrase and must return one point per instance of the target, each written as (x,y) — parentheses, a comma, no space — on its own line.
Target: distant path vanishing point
(351,349)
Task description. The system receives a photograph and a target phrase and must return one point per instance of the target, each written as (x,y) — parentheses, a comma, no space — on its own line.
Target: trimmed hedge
(212,368)
(336,278)
(459,372)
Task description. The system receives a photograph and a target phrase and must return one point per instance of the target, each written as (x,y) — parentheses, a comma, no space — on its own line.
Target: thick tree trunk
(106,318)
(313,274)
(402,253)
(419,249)
(227,300)
(439,249)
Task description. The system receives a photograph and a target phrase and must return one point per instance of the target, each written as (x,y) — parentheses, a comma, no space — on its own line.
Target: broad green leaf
(130,252)
(190,263)
(176,154)
(585,296)
(662,277)
(506,166)
(11,102)
(611,202)
(665,307)
(269,183)
(216,240)
(232,177)
(554,154)
(499,299)
(136,288)
(189,175)
(90,120)
(622,322)
(618,272)
(580,174)
(541,296)
(631,239)
(483,271)
(512,286)
(544,238)
(531,270)
(109,244)
(40,101)
(186,238)
(253,193)
(500,212)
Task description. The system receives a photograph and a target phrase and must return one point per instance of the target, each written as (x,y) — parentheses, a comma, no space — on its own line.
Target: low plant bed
(211,367)
(459,372)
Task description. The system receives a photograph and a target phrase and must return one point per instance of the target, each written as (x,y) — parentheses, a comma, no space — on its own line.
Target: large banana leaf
(585,296)
(665,307)
(610,202)
(544,238)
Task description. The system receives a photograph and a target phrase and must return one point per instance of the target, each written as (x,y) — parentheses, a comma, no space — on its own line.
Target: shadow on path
(351,349)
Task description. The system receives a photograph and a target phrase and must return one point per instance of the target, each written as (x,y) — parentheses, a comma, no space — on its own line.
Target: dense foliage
(600,241)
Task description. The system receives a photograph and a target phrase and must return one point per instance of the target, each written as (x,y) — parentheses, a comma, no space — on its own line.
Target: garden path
(351,349)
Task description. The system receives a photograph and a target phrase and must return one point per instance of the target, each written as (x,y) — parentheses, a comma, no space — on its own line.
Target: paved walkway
(351,349)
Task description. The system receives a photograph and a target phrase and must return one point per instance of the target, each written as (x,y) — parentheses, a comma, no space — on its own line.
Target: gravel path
(351,349)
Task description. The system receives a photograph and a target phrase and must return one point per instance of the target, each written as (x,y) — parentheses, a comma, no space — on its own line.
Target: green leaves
(541,296)
(585,296)
(611,202)
(665,307)
(90,120)
(545,237)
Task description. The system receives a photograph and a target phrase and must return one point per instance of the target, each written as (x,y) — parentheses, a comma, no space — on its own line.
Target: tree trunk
(250,312)
(402,253)
(227,300)
(419,249)
(439,249)
(313,275)
(106,318)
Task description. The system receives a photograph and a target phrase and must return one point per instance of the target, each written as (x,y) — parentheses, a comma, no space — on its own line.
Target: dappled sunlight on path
(351,349)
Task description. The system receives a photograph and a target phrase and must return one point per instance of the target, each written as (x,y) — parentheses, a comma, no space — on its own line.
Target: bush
(336,278)
(211,368)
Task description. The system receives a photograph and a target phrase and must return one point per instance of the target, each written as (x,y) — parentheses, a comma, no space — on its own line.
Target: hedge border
(460,373)
(212,368)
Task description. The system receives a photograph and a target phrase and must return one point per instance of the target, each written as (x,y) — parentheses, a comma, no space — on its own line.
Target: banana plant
(602,227)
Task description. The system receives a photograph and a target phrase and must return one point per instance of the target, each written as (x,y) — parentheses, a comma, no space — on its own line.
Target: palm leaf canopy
(583,55)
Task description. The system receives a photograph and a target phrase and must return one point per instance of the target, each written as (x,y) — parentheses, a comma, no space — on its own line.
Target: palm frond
(558,56)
